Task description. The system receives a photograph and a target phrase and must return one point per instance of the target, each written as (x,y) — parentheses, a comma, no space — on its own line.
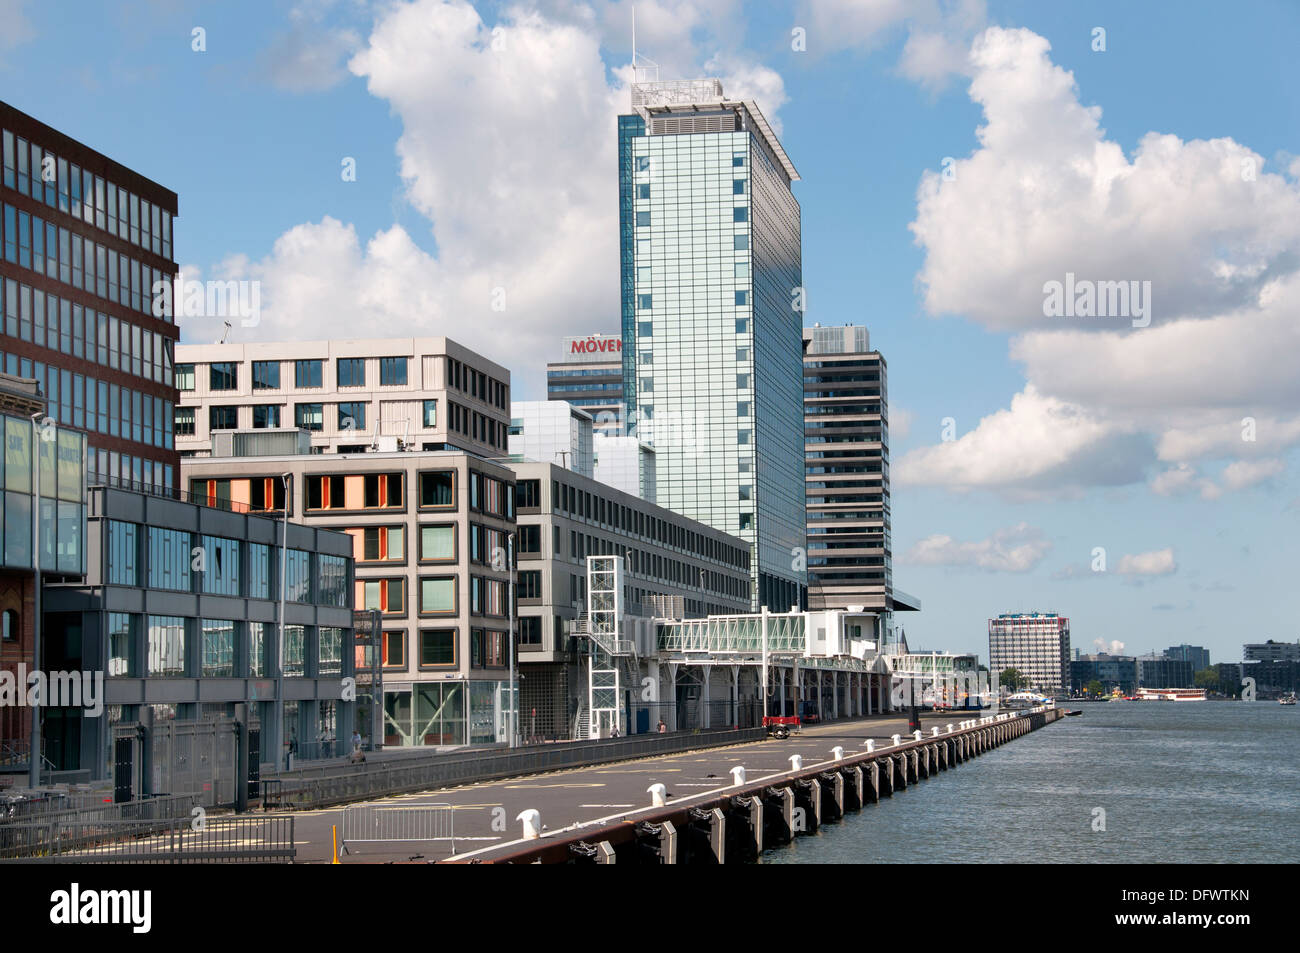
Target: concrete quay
(704,812)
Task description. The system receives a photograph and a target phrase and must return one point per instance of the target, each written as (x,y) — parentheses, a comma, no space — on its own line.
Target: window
(737,186)
(643,163)
(309,416)
(438,489)
(643,190)
(298,576)
(223,418)
(746,521)
(742,297)
(742,325)
(329,651)
(738,160)
(386,595)
(122,554)
(740,214)
(266,416)
(394,654)
(218,565)
(392,372)
(437,648)
(352,372)
(740,242)
(742,354)
(169,559)
(121,645)
(307,373)
(530,630)
(742,408)
(643,218)
(295,645)
(430,413)
(530,584)
(437,543)
(528,493)
(332,581)
(379,543)
(741,269)
(742,381)
(352,415)
(266,375)
(218,648)
(223,375)
(438,596)
(260,635)
(184,373)
(644,302)
(530,539)
(167,644)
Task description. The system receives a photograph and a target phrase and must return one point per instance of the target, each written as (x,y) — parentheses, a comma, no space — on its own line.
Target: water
(1200,782)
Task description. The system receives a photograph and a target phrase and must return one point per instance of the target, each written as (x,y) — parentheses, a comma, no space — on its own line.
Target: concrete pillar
(735,696)
(778,814)
(835,694)
(670,717)
(706,671)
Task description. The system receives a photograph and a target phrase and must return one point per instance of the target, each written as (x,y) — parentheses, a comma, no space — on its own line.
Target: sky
(399,167)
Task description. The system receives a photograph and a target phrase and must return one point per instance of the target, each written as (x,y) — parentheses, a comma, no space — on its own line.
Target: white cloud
(1243,473)
(17,28)
(1158,562)
(1046,193)
(1019,548)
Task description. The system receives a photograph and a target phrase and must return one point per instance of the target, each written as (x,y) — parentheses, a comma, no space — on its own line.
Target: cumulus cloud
(1047,194)
(1019,548)
(1159,562)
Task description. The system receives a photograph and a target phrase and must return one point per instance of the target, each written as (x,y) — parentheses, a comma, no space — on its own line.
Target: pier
(721,805)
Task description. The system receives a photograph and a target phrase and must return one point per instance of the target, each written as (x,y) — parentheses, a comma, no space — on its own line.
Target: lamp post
(513,710)
(34,756)
(284,576)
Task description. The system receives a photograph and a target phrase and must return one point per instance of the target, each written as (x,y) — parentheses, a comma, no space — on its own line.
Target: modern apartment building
(179,610)
(1198,656)
(430,540)
(1113,671)
(85,242)
(1161,671)
(590,376)
(1037,644)
(351,396)
(674,567)
(846,457)
(711,290)
(1271,651)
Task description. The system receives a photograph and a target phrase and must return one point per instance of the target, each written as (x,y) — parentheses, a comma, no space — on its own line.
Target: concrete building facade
(1037,644)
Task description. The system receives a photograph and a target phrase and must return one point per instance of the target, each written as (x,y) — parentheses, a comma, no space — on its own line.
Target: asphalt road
(485,814)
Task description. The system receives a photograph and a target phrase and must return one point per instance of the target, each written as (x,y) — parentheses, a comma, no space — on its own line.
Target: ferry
(1171,694)
(1027,700)
(1288,699)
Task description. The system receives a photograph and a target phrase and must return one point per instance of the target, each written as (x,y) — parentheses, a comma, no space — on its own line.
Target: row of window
(182,561)
(123,469)
(161,646)
(438,595)
(60,325)
(440,648)
(351,372)
(61,184)
(98,406)
(466,379)
(47,249)
(352,416)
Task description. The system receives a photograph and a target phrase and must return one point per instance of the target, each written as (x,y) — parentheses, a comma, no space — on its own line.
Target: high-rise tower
(712,319)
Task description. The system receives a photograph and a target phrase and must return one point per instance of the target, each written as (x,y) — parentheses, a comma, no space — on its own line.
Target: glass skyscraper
(712,320)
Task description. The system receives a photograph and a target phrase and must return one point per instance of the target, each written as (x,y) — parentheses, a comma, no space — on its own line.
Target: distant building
(551,431)
(625,463)
(591,377)
(1198,656)
(1037,644)
(1113,671)
(1274,677)
(1160,671)
(1271,651)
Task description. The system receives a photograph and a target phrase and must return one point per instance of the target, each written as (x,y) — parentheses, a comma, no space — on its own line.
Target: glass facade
(712,335)
(62,456)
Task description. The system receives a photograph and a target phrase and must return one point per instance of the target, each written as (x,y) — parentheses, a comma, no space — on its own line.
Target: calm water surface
(1199,782)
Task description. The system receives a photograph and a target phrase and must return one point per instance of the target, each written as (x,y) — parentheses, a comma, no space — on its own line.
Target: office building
(674,566)
(846,451)
(85,242)
(351,396)
(1271,651)
(590,376)
(551,431)
(1198,656)
(1113,671)
(1161,671)
(626,463)
(711,292)
(1037,644)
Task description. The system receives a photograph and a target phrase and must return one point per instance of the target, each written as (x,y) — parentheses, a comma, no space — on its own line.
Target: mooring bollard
(897,740)
(657,798)
(837,753)
(738,775)
(917,734)
(934,732)
(950,729)
(796,762)
(871,745)
(532,821)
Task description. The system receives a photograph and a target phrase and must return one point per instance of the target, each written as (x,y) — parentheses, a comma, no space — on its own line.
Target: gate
(254,763)
(390,823)
(123,769)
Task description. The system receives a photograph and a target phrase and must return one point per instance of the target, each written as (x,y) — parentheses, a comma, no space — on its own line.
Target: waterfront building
(1271,651)
(673,565)
(551,431)
(1272,677)
(712,304)
(1161,671)
(84,242)
(1198,656)
(359,396)
(1113,671)
(1037,644)
(590,376)
(846,456)
(429,532)
(179,608)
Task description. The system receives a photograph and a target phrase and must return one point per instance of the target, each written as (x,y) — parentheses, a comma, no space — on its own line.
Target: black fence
(202,839)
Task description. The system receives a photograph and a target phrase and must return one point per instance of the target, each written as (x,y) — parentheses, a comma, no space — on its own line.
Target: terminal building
(1037,644)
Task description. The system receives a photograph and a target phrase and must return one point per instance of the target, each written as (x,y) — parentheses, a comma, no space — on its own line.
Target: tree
(1012,679)
(1096,688)
(1207,678)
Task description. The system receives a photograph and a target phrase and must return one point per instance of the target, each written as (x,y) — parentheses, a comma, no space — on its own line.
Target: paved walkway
(486,813)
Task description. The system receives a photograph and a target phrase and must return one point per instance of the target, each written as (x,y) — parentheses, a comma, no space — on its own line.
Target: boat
(1026,700)
(1287,699)
(1171,694)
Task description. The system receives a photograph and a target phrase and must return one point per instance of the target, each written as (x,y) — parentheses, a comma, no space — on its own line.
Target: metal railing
(244,839)
(397,823)
(91,808)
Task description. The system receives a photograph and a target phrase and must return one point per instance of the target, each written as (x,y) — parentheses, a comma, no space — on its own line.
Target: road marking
(593,785)
(606,805)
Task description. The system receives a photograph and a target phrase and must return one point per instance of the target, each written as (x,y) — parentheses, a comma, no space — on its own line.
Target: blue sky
(483,140)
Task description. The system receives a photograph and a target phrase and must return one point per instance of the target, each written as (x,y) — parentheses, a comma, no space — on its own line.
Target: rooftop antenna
(225,334)
(635,68)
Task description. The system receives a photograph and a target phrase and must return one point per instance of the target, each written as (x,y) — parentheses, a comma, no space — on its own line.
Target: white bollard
(532,821)
(738,775)
(897,740)
(934,732)
(837,753)
(950,729)
(917,734)
(657,792)
(871,745)
(796,762)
